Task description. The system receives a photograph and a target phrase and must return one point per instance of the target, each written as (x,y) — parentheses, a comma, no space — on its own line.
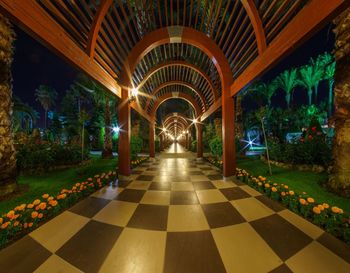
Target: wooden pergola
(203,52)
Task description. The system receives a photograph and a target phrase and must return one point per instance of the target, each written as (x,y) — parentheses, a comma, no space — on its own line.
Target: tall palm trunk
(339,180)
(309,94)
(8,172)
(107,146)
(330,96)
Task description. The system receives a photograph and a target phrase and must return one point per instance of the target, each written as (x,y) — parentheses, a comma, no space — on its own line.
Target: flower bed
(138,161)
(331,218)
(26,217)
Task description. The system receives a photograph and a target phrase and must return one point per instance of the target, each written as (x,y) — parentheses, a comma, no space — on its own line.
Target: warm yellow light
(134,92)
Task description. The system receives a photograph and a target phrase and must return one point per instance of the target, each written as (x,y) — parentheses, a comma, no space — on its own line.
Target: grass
(54,181)
(297,180)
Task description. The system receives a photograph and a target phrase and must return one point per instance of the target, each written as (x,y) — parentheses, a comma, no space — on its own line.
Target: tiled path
(177,216)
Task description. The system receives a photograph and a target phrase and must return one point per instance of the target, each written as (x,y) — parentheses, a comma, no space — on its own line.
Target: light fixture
(194,121)
(164,129)
(116,129)
(133,94)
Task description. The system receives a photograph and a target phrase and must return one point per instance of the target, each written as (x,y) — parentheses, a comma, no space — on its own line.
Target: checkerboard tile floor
(177,216)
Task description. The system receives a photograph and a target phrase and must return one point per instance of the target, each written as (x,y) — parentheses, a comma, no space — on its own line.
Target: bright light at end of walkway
(116,129)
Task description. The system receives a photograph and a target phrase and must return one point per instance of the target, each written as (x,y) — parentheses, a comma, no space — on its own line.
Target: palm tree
(287,81)
(46,95)
(318,71)
(23,113)
(339,179)
(328,75)
(8,171)
(309,78)
(101,97)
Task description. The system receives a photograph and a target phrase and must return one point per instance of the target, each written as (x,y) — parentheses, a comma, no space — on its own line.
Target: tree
(101,97)
(318,71)
(23,114)
(339,179)
(46,95)
(328,75)
(310,76)
(8,171)
(287,81)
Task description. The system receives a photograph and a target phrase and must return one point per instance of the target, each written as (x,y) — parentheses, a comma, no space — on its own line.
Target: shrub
(136,146)
(316,151)
(41,157)
(194,146)
(216,146)
(157,146)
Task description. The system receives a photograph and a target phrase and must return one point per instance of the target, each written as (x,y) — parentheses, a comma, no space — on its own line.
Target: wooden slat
(211,110)
(255,20)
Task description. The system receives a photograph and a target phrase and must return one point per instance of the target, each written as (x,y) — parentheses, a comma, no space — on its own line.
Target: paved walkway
(177,216)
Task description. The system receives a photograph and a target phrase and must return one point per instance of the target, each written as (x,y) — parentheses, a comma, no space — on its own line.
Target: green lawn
(296,180)
(54,181)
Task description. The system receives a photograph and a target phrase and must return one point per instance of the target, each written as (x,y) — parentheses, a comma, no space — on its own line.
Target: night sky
(34,64)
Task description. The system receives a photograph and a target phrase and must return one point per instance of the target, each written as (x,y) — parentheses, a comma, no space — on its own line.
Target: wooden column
(199,140)
(124,135)
(152,151)
(228,134)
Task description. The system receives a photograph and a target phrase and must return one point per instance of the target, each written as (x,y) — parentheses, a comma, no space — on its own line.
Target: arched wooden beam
(179,122)
(96,26)
(185,64)
(176,115)
(178,34)
(255,20)
(180,95)
(188,85)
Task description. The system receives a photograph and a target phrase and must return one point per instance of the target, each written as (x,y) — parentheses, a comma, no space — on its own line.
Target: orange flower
(337,210)
(89,179)
(10,214)
(267,185)
(42,206)
(5,225)
(325,205)
(45,196)
(273,189)
(260,184)
(283,193)
(302,201)
(15,224)
(50,198)
(286,187)
(53,203)
(36,202)
(310,200)
(320,207)
(291,192)
(30,224)
(316,210)
(34,214)
(40,215)
(22,207)
(1,220)
(25,225)
(30,206)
